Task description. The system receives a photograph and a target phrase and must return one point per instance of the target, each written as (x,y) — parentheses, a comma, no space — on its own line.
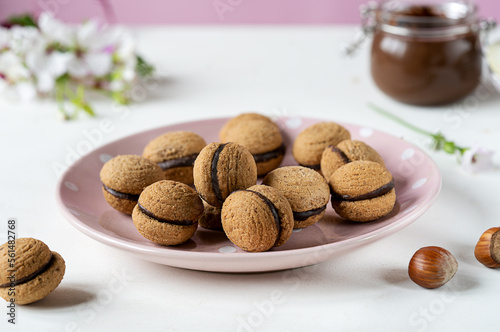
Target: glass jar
(426,52)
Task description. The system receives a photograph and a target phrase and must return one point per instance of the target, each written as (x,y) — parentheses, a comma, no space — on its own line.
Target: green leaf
(143,68)
(25,20)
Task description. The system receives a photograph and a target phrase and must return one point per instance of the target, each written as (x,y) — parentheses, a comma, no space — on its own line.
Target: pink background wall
(206,11)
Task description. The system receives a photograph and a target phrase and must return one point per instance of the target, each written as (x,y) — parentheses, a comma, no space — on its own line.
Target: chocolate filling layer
(372,194)
(263,157)
(130,197)
(30,277)
(173,222)
(179,162)
(341,154)
(301,216)
(314,167)
(215,180)
(273,209)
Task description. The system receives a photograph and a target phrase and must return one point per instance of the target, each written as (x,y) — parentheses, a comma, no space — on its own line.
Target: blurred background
(154,12)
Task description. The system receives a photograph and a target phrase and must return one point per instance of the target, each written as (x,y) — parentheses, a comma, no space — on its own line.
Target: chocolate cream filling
(341,154)
(179,162)
(372,194)
(32,276)
(118,194)
(301,216)
(213,173)
(173,222)
(314,167)
(274,211)
(263,157)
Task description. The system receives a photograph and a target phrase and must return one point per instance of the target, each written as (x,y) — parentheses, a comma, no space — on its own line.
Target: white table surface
(223,71)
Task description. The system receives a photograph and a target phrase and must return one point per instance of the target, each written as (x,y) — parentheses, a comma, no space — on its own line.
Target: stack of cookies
(157,187)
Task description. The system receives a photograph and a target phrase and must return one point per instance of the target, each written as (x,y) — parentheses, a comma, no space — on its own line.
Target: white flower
(4,38)
(26,90)
(12,68)
(477,159)
(47,65)
(22,39)
(56,31)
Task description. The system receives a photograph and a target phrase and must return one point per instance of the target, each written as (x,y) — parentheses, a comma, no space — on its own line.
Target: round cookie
(362,191)
(245,117)
(306,190)
(175,153)
(167,212)
(221,169)
(260,135)
(346,151)
(37,271)
(257,219)
(211,217)
(124,178)
(312,141)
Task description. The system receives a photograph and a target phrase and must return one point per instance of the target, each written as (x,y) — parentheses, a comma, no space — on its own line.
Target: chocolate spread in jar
(422,69)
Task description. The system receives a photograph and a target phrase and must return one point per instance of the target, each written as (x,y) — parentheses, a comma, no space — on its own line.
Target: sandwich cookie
(167,212)
(260,135)
(312,141)
(33,274)
(257,219)
(362,191)
(222,168)
(346,151)
(306,191)
(124,178)
(175,153)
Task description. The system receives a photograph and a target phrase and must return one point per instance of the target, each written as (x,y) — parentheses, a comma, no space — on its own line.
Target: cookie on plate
(306,190)
(312,141)
(124,178)
(346,151)
(175,152)
(222,168)
(167,212)
(260,135)
(362,191)
(33,274)
(257,219)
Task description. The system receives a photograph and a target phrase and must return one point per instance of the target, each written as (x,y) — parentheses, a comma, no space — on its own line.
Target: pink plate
(417,181)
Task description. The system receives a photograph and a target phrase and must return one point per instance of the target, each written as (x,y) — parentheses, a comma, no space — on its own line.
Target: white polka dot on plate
(419,183)
(71,186)
(227,249)
(293,123)
(297,230)
(105,157)
(366,132)
(407,154)
(410,209)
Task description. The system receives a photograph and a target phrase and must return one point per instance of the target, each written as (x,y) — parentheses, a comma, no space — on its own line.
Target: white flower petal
(23,38)
(477,159)
(55,30)
(46,82)
(12,67)
(99,64)
(77,68)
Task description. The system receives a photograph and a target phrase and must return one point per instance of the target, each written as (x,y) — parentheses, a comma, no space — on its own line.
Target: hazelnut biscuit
(175,152)
(257,219)
(37,271)
(124,178)
(312,141)
(260,135)
(346,151)
(167,212)
(222,168)
(210,218)
(362,191)
(306,190)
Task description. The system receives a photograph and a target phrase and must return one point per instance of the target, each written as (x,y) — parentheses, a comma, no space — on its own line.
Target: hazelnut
(487,249)
(432,267)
